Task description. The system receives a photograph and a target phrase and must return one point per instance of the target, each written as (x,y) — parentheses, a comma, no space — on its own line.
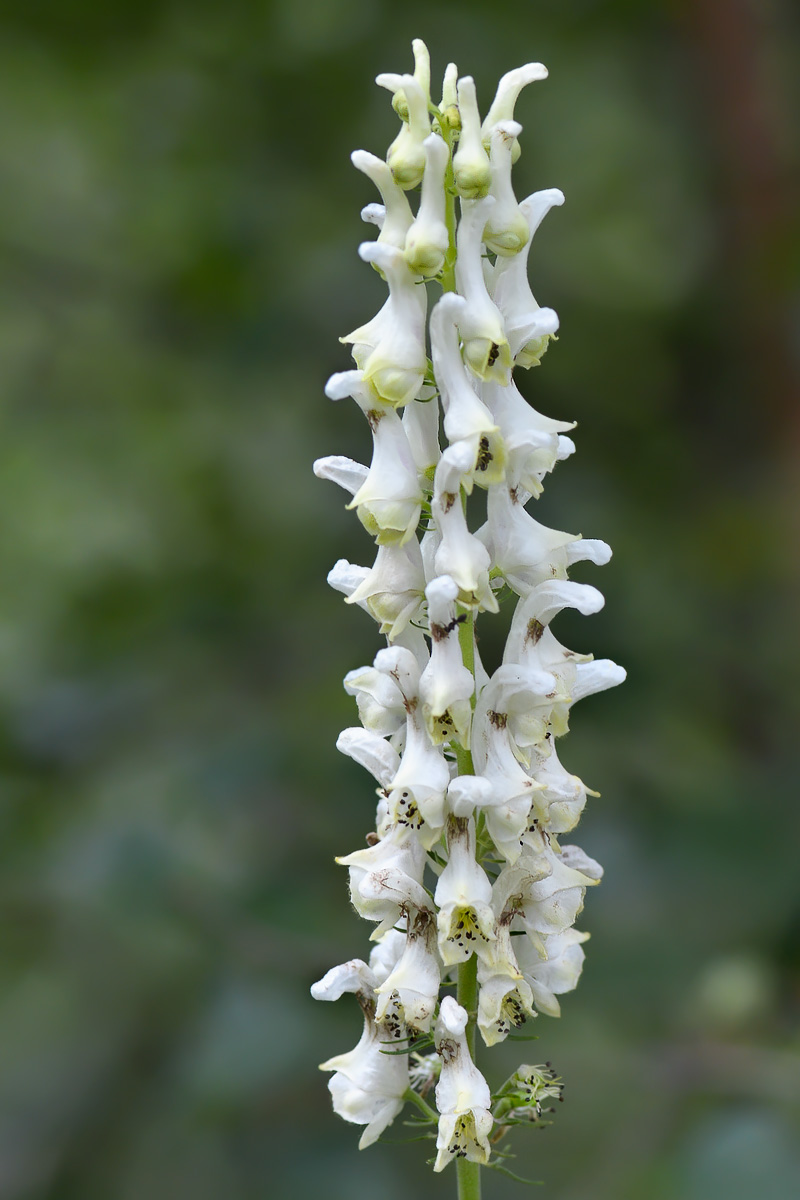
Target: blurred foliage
(178,225)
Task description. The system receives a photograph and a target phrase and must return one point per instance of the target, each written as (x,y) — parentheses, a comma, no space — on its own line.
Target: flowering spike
(472,795)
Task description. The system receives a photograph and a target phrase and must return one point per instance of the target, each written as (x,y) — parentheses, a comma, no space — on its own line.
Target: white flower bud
(471,168)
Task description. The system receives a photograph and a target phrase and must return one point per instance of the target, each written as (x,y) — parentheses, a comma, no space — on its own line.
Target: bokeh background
(178,233)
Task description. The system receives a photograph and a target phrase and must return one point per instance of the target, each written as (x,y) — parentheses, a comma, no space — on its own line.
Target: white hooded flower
(386,878)
(390,349)
(389,498)
(529,328)
(526,552)
(428,238)
(549,901)
(446,685)
(506,999)
(463,896)
(459,553)
(532,440)
(508,89)
(486,349)
(368,1085)
(413,984)
(467,420)
(531,642)
(561,797)
(396,216)
(471,168)
(506,230)
(417,791)
(462,1094)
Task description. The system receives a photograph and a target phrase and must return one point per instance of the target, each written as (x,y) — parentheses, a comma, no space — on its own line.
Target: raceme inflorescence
(465,877)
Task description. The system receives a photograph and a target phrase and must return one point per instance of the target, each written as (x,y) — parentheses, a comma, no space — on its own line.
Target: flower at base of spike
(462,1094)
(368,1086)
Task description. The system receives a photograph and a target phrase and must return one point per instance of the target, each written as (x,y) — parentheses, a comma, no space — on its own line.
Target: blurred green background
(178,233)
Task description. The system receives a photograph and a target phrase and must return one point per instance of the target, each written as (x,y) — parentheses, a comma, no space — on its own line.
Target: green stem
(468,1177)
(415,1098)
(468,1174)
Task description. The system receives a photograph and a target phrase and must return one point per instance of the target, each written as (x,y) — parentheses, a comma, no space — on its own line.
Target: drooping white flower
(549,900)
(380,702)
(386,878)
(467,420)
(446,685)
(368,1085)
(462,1094)
(428,238)
(463,896)
(532,643)
(393,590)
(555,972)
(471,168)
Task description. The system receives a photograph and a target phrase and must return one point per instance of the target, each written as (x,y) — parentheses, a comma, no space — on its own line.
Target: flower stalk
(463,877)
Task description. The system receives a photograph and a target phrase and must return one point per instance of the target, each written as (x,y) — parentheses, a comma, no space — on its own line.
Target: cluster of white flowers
(472,796)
